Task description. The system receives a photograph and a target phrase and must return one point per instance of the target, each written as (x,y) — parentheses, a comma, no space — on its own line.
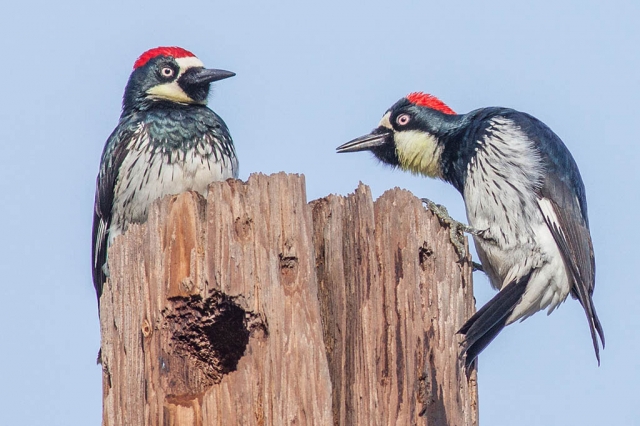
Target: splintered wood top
(254,307)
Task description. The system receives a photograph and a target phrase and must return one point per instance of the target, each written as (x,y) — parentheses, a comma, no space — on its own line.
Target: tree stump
(253,307)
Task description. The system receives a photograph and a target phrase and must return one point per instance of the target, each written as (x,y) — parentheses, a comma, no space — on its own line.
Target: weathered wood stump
(253,307)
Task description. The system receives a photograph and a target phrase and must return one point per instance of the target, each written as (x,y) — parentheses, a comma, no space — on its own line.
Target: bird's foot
(105,270)
(477,266)
(456,229)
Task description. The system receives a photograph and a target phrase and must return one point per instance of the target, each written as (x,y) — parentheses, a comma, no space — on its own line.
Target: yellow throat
(418,152)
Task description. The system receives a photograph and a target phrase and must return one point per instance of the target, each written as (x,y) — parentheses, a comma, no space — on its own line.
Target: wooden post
(253,307)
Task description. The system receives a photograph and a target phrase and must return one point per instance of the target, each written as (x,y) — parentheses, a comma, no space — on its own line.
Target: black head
(409,135)
(169,74)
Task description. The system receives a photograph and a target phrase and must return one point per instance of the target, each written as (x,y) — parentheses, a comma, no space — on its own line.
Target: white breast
(147,175)
(500,199)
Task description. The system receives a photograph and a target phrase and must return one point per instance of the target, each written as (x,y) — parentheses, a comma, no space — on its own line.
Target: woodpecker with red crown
(167,141)
(524,198)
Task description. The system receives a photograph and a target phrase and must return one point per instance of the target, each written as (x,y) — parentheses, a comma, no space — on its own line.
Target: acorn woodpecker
(524,198)
(167,141)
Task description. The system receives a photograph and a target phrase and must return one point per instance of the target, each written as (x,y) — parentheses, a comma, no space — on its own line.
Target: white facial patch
(386,122)
(418,152)
(172,91)
(189,62)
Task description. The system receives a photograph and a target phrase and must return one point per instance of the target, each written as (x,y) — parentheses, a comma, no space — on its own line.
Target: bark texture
(253,307)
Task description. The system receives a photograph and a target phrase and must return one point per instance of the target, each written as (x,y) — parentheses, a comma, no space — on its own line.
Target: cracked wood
(253,307)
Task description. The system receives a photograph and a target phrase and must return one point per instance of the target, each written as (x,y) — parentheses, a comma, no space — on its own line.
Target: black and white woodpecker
(167,141)
(524,198)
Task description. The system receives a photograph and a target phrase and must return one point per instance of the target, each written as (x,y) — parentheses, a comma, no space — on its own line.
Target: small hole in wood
(214,332)
(146,328)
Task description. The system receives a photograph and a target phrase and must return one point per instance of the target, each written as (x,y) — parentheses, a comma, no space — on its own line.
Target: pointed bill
(378,137)
(198,76)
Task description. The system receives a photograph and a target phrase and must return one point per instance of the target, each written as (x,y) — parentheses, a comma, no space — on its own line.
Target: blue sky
(310,76)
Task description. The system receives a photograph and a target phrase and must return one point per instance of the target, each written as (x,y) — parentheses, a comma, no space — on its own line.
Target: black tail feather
(594,326)
(471,351)
(486,324)
(586,301)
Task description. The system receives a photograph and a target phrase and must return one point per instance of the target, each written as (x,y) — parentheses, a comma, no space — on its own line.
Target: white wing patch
(101,235)
(549,214)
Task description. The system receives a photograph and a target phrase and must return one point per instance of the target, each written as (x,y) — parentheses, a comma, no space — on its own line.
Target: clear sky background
(310,76)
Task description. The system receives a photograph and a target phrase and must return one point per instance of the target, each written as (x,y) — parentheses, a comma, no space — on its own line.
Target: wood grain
(253,307)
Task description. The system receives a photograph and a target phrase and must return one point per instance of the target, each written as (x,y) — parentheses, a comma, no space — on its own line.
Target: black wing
(563,204)
(113,155)
(572,235)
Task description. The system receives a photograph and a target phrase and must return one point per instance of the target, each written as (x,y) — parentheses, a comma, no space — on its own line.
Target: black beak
(195,82)
(200,76)
(379,137)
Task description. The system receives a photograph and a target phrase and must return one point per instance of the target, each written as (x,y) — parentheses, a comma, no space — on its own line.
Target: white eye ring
(403,119)
(167,72)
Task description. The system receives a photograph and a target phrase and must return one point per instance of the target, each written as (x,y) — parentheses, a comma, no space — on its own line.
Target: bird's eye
(167,72)
(403,119)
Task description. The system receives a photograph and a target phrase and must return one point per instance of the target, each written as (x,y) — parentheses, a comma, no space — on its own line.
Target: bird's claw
(477,266)
(105,270)
(456,229)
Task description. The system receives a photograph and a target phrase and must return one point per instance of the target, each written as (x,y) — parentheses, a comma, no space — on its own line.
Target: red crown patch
(176,52)
(429,101)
